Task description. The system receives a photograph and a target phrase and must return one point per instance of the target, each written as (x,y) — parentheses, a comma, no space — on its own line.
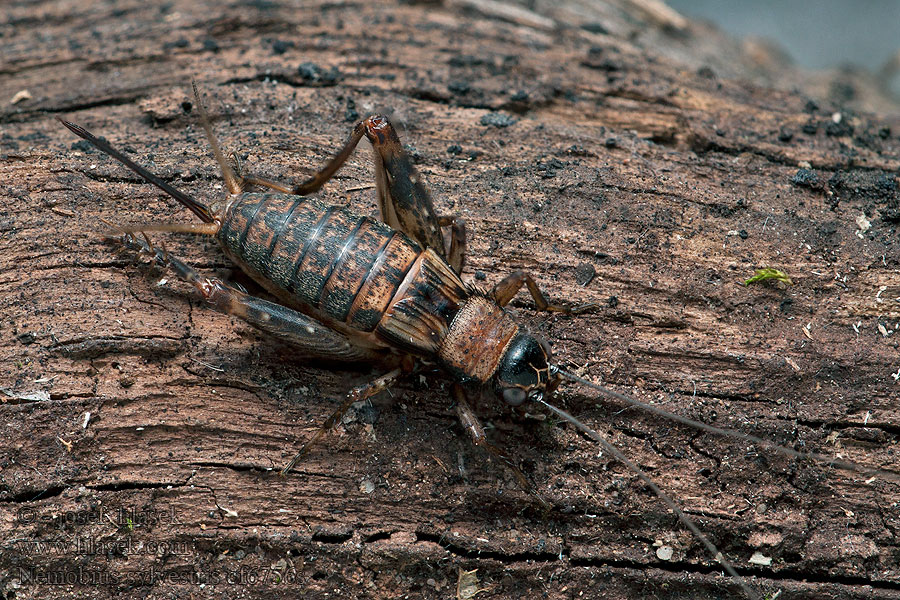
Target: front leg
(504,291)
(473,427)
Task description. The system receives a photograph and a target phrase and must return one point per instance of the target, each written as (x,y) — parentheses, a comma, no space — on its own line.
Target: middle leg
(355,395)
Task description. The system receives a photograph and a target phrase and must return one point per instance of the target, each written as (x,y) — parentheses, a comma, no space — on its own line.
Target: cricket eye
(514,396)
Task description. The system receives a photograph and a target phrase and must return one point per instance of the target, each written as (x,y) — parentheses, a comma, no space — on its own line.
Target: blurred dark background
(816,34)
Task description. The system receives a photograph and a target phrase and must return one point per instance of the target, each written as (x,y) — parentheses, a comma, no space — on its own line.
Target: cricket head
(525,372)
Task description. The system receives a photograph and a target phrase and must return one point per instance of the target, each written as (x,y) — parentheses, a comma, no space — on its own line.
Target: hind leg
(404,201)
(312,338)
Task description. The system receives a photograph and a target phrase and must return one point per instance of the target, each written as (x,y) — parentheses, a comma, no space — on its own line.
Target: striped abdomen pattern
(346,267)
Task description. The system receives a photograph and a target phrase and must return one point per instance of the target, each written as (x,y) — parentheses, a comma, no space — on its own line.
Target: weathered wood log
(143,432)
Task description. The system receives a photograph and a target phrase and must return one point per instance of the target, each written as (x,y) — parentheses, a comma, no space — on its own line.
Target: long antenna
(687,521)
(761,442)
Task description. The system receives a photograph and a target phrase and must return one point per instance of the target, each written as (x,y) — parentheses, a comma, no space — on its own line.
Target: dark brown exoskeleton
(353,288)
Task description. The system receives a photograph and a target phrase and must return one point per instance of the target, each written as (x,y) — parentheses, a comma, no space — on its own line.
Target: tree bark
(143,432)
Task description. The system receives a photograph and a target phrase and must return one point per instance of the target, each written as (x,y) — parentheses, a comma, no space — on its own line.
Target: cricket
(348,287)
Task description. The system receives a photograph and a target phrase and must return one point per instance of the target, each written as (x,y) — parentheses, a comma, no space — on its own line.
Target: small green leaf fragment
(767,274)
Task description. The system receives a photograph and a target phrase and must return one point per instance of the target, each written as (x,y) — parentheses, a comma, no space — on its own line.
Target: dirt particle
(595,27)
(20,96)
(810,127)
(281,46)
(459,87)
(179,43)
(665,553)
(859,185)
(466,60)
(599,58)
(314,74)
(549,168)
(584,273)
(576,150)
(807,178)
(498,120)
(841,128)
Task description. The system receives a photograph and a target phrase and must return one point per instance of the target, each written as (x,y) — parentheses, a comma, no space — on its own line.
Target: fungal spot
(664,553)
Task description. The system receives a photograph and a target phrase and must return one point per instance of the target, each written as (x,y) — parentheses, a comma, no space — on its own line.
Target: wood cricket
(349,288)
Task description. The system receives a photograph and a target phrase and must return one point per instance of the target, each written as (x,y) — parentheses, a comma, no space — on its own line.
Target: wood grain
(143,425)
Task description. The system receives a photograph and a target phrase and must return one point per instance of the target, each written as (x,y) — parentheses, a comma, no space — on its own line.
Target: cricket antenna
(685,520)
(761,442)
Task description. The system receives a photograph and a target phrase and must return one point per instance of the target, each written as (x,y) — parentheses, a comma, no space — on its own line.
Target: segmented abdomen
(345,266)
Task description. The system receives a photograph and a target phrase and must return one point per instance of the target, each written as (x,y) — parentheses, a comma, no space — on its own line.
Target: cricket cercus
(348,287)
